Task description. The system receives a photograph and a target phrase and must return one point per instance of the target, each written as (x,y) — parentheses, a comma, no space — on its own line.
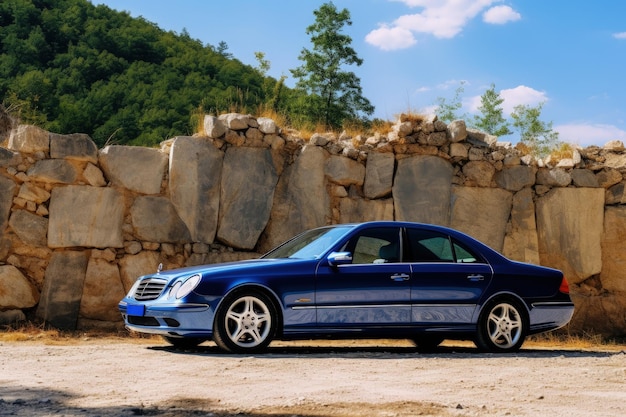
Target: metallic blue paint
(347,297)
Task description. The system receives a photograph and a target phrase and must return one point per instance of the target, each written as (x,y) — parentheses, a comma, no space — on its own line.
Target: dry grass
(31,332)
(411,117)
(563,151)
(586,341)
(39,334)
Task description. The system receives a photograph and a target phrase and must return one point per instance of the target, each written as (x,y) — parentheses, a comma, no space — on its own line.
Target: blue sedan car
(369,280)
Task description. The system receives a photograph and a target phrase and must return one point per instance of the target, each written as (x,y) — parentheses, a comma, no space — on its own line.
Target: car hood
(228,267)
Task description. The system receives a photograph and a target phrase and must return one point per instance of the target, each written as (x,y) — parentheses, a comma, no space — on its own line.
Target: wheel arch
(253,286)
(503,295)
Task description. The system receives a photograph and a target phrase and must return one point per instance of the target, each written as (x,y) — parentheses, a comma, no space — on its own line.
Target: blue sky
(568,54)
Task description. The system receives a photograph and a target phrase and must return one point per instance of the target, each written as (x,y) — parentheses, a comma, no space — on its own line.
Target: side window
(378,245)
(464,255)
(427,246)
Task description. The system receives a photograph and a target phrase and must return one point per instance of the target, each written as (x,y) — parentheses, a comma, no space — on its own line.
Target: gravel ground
(386,378)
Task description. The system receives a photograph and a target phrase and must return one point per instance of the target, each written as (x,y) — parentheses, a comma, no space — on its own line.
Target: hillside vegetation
(69,66)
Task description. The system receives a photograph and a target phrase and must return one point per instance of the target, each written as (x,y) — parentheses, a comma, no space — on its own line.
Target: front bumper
(182,319)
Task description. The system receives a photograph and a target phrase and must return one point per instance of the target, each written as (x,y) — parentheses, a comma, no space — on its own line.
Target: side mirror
(339,258)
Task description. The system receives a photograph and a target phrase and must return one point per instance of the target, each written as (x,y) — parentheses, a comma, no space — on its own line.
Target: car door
(448,278)
(373,290)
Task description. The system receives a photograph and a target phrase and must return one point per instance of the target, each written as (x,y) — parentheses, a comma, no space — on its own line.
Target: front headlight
(182,288)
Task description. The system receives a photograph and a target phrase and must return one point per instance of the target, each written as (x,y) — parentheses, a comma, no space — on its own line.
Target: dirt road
(122,378)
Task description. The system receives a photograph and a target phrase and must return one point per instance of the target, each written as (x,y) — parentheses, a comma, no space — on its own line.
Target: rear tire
(502,326)
(245,322)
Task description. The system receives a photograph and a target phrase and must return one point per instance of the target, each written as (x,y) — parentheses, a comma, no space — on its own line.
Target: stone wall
(78,225)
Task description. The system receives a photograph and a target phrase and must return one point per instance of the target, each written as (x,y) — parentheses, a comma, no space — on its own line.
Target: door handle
(475,277)
(400,277)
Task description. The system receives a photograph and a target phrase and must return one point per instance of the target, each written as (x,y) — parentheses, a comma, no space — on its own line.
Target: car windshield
(309,245)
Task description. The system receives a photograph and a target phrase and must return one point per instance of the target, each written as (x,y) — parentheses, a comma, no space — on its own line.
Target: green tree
(447,111)
(222,49)
(272,89)
(490,119)
(536,134)
(336,94)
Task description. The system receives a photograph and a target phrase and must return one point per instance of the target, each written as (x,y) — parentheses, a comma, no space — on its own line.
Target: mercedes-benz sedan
(369,280)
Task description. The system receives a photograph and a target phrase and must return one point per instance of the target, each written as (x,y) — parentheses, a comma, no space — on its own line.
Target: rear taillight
(564,288)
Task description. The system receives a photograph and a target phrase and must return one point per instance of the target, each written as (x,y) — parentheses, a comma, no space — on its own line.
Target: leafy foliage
(447,110)
(70,66)
(335,94)
(535,133)
(491,119)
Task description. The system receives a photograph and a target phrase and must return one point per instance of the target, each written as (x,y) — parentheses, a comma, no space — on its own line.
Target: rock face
(63,289)
(421,189)
(564,216)
(15,290)
(194,184)
(136,169)
(78,225)
(247,192)
(96,217)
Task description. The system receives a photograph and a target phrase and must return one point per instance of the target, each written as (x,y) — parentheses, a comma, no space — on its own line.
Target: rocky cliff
(78,225)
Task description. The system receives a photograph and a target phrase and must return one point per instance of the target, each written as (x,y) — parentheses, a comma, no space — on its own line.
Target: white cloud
(452,84)
(584,134)
(472,104)
(521,95)
(620,35)
(443,19)
(500,15)
(390,38)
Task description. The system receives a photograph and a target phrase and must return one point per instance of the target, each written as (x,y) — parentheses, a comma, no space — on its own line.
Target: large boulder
(248,183)
(482,213)
(613,275)
(29,139)
(9,158)
(76,146)
(16,292)
(379,174)
(569,225)
(514,178)
(102,291)
(344,171)
(53,171)
(213,127)
(134,266)
(134,168)
(7,188)
(85,216)
(155,220)
(479,173)
(194,185)
(300,200)
(421,190)
(354,210)
(521,242)
(30,228)
(62,289)
(31,192)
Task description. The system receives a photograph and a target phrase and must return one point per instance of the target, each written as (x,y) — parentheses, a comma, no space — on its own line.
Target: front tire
(245,322)
(501,327)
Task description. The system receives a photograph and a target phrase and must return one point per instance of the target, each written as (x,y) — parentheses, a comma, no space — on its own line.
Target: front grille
(149,289)
(143,321)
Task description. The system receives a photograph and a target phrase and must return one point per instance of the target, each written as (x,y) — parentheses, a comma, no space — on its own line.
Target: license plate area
(136,310)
